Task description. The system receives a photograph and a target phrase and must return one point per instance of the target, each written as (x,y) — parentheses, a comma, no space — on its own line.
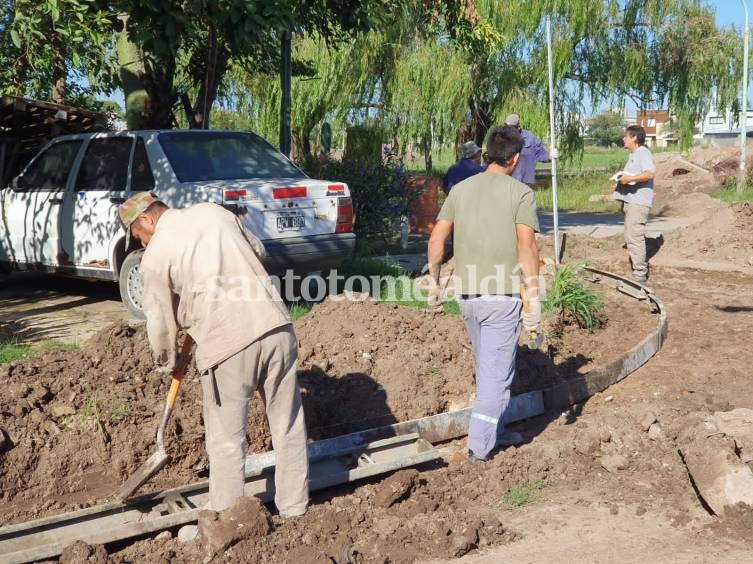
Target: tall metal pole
(553,144)
(741,178)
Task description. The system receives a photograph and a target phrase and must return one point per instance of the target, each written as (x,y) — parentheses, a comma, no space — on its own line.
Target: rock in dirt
(246,519)
(656,433)
(61,410)
(712,458)
(587,442)
(647,420)
(396,488)
(614,462)
(79,552)
(738,425)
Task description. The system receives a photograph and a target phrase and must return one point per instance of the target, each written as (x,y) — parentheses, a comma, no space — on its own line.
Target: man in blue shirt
(533,152)
(467,166)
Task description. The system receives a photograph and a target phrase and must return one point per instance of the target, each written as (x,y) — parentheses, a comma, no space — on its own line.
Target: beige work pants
(636,217)
(270,365)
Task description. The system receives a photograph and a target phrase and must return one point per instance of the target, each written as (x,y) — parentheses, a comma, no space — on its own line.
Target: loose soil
(75,424)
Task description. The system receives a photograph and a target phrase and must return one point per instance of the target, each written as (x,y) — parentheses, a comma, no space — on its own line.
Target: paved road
(605,224)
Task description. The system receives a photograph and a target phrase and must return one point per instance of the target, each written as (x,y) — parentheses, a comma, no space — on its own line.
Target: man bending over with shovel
(196,261)
(494,220)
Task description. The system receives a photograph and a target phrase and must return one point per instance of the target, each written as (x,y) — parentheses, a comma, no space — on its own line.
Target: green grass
(729,194)
(299,309)
(13,351)
(396,286)
(573,193)
(569,294)
(520,494)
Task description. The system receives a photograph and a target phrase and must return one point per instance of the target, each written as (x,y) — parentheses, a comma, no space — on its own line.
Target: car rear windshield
(224,156)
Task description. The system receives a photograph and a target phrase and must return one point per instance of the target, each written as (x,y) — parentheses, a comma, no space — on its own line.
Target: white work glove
(434,301)
(181,364)
(554,153)
(532,317)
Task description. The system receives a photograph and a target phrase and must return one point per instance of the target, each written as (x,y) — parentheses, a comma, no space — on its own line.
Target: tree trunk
(131,70)
(158,80)
(426,146)
(286,84)
(59,72)
(217,61)
(301,146)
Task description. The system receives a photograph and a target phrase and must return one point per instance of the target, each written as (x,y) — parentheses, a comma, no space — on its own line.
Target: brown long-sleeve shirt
(200,273)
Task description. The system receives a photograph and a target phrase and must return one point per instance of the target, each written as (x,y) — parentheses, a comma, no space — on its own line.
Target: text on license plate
(290,222)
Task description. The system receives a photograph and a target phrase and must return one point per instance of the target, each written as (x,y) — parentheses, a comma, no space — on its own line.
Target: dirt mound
(76,424)
(676,174)
(719,232)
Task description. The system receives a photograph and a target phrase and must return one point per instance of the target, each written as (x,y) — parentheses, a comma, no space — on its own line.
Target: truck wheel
(131,290)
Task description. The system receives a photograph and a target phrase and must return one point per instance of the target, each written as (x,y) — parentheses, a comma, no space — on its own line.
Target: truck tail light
(344,216)
(285,192)
(234,195)
(336,190)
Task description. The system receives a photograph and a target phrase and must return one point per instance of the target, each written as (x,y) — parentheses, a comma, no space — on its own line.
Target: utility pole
(553,143)
(742,176)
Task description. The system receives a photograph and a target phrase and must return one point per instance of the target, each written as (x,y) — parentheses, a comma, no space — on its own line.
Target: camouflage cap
(131,208)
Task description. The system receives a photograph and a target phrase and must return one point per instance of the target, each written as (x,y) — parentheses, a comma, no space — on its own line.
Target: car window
(105,164)
(225,156)
(141,172)
(51,169)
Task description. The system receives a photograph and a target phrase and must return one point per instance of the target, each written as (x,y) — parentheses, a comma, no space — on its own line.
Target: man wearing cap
(533,152)
(492,218)
(201,272)
(468,165)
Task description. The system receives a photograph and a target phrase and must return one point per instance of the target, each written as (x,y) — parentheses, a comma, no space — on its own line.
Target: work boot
(510,438)
(473,459)
(640,278)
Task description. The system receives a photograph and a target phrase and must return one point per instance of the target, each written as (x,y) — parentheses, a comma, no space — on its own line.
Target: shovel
(159,459)
(535,339)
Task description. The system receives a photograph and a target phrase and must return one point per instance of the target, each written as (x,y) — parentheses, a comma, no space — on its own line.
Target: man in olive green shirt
(493,220)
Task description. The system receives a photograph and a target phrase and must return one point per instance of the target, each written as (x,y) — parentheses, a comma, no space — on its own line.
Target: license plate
(290,222)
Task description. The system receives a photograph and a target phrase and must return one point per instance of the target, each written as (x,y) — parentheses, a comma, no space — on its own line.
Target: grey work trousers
(270,364)
(636,217)
(493,325)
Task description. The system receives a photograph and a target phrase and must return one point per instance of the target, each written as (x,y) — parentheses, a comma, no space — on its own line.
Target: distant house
(656,123)
(722,127)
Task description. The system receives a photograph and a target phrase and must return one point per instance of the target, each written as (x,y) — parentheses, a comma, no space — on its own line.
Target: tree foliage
(607,128)
(48,46)
(429,70)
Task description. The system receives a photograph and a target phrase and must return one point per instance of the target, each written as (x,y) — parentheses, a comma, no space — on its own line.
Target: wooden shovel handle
(179,372)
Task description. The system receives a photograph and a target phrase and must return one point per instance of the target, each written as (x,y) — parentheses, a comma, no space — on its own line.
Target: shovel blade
(153,464)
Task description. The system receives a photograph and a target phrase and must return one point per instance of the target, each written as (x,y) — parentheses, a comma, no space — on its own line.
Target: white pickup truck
(60,214)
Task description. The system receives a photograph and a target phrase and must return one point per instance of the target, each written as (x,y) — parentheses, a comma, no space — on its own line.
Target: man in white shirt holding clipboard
(635,191)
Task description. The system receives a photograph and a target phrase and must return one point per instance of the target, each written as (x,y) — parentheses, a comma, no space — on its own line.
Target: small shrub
(520,494)
(569,295)
(379,190)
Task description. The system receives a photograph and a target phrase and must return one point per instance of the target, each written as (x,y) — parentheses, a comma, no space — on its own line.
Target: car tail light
(336,190)
(344,216)
(285,192)
(233,195)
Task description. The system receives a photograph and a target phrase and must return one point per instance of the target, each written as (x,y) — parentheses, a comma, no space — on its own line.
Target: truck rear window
(224,156)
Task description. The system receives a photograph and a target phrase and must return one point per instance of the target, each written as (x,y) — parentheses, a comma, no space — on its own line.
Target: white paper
(616,176)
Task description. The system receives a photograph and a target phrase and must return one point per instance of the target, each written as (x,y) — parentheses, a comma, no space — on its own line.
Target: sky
(730,12)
